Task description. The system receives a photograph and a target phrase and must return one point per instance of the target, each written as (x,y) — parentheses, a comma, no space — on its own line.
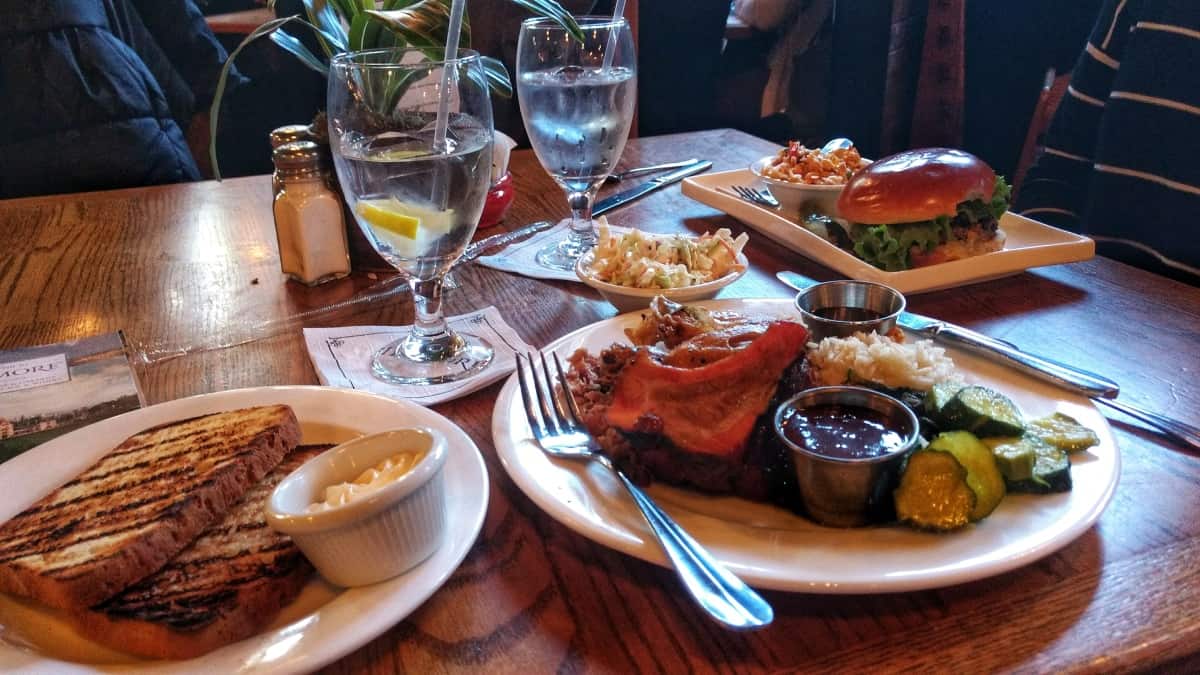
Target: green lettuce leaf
(976,209)
(1001,196)
(887,246)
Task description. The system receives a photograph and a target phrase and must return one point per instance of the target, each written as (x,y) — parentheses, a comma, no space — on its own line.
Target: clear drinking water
(578,119)
(393,179)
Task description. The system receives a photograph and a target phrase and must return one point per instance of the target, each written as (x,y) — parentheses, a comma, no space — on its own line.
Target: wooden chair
(898,79)
(1053,89)
(938,108)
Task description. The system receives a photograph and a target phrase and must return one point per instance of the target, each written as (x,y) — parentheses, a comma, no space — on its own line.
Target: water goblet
(416,186)
(577,104)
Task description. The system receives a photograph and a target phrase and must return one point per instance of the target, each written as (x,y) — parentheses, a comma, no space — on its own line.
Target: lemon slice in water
(388,215)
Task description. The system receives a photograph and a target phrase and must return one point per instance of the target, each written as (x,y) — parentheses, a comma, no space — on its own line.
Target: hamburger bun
(915,185)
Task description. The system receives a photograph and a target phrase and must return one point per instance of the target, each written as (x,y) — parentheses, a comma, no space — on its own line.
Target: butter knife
(630,173)
(625,196)
(1056,373)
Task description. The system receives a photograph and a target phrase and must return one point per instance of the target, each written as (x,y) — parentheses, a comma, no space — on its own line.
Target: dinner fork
(1171,428)
(755,196)
(559,432)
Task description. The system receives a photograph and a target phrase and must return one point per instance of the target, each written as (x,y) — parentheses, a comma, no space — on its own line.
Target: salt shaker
(308,217)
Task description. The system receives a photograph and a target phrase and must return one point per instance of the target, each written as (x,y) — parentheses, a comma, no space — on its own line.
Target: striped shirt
(1122,154)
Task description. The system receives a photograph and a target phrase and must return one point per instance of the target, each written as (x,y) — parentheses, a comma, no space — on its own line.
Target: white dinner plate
(1028,244)
(772,548)
(325,622)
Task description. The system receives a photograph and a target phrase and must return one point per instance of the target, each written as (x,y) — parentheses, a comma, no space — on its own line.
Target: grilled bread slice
(140,505)
(225,587)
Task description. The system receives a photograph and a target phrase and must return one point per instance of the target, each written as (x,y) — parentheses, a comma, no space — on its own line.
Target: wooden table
(195,264)
(239,23)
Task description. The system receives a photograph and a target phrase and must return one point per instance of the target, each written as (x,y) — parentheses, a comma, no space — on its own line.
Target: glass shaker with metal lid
(288,134)
(308,217)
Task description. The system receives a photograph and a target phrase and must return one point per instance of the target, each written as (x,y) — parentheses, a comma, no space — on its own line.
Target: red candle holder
(499,198)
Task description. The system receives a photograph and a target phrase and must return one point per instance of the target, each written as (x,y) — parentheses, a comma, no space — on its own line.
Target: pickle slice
(933,492)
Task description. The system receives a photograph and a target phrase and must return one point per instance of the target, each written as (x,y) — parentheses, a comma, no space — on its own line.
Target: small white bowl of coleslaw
(630,268)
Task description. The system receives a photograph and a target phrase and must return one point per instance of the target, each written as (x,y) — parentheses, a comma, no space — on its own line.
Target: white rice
(871,357)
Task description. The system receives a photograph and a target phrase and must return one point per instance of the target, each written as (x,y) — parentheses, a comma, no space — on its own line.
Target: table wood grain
(190,273)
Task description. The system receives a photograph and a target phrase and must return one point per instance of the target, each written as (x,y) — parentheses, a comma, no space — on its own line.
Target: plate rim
(340,640)
(641,545)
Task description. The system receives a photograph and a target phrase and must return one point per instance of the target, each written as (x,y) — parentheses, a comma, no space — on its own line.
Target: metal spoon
(836,144)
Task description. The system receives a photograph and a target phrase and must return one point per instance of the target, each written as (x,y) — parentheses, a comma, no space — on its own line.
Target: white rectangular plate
(1029,243)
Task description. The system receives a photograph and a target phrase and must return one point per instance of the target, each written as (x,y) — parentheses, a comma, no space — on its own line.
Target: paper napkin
(519,257)
(342,356)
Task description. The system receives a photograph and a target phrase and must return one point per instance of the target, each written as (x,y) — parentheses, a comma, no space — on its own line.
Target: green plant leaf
(347,9)
(214,110)
(552,10)
(325,15)
(422,24)
(297,48)
(388,40)
(397,84)
(358,32)
(497,76)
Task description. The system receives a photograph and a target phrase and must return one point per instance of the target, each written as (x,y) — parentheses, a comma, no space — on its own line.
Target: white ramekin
(380,535)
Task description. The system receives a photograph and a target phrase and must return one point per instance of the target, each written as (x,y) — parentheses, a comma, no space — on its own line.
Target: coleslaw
(640,260)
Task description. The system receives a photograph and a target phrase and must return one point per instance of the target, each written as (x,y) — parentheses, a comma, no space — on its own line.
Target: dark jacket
(95,94)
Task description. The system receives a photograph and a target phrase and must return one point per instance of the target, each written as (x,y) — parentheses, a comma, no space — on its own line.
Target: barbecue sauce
(842,432)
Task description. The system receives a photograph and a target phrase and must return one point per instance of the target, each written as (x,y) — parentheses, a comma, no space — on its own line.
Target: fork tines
(754,196)
(547,413)
(746,193)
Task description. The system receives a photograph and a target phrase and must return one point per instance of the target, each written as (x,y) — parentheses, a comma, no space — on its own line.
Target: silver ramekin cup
(883,300)
(843,492)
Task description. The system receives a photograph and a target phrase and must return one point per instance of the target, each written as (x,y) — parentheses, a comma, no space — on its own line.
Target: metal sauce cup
(849,492)
(884,301)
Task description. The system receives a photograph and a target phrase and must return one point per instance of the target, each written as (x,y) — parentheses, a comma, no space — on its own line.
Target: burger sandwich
(923,207)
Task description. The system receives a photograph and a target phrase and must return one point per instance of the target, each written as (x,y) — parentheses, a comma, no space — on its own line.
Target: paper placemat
(342,356)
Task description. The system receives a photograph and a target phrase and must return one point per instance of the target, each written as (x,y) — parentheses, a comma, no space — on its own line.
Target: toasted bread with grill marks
(226,586)
(140,505)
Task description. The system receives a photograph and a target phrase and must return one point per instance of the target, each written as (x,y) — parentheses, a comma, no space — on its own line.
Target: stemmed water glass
(577,103)
(416,193)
